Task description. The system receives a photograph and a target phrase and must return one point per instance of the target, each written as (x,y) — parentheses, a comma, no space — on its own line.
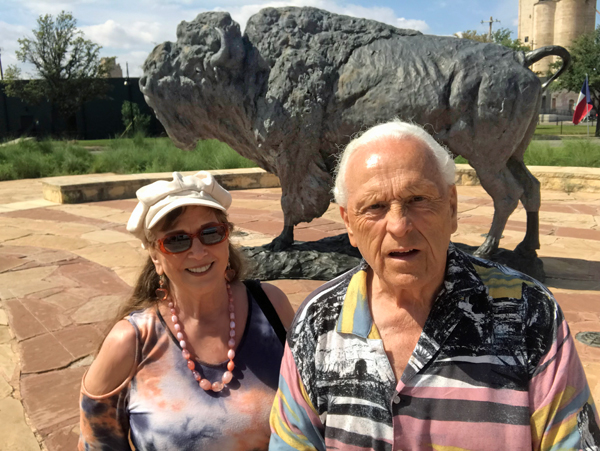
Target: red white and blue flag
(584,103)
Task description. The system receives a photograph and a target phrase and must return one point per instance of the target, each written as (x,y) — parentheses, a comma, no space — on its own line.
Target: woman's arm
(114,362)
(281,303)
(104,419)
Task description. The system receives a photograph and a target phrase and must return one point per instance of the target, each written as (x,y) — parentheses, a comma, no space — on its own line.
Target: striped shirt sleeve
(563,412)
(295,424)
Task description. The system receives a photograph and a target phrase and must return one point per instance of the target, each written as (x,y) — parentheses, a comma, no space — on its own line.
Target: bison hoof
(281,243)
(485,251)
(525,250)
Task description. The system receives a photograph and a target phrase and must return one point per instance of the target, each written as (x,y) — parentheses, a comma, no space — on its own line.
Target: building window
(526,39)
(554,103)
(571,105)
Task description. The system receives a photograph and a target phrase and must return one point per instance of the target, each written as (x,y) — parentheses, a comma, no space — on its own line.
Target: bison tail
(549,50)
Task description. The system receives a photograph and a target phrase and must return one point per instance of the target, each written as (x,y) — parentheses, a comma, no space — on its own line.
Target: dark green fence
(97,119)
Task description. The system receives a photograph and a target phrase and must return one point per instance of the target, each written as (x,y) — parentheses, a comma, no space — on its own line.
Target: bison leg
(505,192)
(283,241)
(531,200)
(305,192)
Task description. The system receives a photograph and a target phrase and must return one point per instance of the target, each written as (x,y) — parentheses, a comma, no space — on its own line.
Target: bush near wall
(34,159)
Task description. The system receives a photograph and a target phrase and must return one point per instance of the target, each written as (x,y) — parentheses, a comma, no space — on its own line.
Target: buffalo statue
(300,82)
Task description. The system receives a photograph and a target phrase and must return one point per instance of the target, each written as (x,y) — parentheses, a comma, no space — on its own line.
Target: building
(113,68)
(555,22)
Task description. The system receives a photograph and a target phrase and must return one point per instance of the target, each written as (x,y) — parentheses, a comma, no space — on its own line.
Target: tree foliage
(67,67)
(585,59)
(500,36)
(133,119)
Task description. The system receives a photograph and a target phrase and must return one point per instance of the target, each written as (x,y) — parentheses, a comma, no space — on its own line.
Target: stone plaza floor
(65,268)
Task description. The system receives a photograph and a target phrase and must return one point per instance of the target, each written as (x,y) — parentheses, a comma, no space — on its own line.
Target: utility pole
(1,73)
(491,21)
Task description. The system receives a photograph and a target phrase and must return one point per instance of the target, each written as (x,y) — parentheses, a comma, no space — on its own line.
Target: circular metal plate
(589,338)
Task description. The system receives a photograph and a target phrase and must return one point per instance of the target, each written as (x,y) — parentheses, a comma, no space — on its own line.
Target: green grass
(31,159)
(577,153)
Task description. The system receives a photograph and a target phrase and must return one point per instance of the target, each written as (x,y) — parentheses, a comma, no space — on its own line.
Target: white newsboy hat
(161,197)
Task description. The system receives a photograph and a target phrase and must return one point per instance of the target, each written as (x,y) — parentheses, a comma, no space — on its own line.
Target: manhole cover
(589,338)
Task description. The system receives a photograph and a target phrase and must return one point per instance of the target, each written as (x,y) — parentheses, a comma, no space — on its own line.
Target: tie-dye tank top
(161,407)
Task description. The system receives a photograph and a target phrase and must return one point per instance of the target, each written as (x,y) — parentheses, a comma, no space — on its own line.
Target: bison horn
(224,57)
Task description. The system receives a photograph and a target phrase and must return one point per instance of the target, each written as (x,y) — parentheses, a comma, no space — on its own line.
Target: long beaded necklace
(227,375)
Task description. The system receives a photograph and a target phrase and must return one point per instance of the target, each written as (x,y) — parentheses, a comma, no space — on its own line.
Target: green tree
(585,59)
(133,119)
(500,36)
(67,68)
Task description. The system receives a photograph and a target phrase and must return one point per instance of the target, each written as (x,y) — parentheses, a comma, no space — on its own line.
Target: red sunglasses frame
(198,235)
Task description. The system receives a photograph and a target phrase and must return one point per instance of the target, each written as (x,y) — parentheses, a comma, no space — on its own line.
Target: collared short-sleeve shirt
(495,368)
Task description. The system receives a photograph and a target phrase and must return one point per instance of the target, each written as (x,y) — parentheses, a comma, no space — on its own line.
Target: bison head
(196,85)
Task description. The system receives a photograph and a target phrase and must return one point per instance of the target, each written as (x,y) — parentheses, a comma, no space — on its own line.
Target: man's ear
(344,215)
(453,207)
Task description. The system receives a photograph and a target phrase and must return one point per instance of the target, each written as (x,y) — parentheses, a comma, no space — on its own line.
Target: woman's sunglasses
(208,235)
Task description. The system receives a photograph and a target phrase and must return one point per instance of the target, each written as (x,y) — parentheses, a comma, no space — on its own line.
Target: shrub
(133,119)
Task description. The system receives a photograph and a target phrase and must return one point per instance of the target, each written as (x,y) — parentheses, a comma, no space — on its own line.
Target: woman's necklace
(227,375)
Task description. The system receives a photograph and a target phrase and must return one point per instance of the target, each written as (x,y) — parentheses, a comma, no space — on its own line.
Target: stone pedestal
(332,256)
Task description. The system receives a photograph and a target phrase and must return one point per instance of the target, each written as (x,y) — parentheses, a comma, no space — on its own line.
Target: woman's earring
(161,292)
(229,273)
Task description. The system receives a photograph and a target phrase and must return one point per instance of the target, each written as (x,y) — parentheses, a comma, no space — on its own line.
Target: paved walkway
(65,268)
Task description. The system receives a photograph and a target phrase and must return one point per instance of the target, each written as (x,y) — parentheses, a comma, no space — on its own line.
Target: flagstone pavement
(64,269)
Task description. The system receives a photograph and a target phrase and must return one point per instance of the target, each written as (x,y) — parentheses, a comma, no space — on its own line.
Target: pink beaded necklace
(227,375)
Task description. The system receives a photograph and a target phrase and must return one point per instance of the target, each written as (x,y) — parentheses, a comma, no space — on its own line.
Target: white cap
(159,198)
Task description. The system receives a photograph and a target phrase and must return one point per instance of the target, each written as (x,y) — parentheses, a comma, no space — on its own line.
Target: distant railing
(556,111)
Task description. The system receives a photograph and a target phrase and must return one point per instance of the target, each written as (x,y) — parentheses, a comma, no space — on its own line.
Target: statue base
(329,257)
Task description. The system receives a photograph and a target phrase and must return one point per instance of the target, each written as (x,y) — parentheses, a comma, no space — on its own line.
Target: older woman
(193,360)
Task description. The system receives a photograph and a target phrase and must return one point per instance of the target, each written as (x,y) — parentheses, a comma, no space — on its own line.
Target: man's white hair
(393,129)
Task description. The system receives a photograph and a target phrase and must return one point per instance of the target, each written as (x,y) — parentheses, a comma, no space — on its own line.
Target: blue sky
(129,29)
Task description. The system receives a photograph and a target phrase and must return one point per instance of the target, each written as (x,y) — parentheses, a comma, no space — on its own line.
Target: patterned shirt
(160,406)
(495,368)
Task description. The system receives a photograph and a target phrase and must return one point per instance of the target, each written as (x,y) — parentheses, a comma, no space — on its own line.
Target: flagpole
(588,121)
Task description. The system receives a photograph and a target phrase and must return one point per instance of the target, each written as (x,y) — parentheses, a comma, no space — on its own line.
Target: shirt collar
(355,316)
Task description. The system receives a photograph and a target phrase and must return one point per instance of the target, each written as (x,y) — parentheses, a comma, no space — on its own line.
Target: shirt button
(397,399)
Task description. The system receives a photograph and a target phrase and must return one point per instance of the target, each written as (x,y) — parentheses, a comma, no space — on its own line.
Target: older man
(423,347)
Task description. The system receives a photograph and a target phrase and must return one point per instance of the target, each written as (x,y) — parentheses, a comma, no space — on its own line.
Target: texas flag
(584,103)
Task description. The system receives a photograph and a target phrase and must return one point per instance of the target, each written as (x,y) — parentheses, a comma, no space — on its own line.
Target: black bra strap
(267,308)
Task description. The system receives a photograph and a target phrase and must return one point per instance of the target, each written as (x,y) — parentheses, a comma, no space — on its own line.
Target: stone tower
(554,22)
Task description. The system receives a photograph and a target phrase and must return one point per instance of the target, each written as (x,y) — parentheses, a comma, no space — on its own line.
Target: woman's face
(199,269)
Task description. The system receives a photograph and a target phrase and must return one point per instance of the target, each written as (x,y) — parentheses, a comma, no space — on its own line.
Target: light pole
(126,83)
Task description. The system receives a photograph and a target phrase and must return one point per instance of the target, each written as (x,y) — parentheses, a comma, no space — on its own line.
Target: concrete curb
(99,187)
(556,178)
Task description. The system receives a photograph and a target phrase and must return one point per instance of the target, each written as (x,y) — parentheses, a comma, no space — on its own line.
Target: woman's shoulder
(280,302)
(115,362)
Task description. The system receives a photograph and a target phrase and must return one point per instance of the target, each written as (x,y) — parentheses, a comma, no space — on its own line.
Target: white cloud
(8,44)
(41,7)
(118,36)
(241,14)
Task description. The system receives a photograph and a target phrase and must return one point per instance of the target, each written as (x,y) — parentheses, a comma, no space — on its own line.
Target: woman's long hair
(144,291)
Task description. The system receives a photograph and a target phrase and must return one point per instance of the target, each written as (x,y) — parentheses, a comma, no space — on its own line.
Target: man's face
(400,213)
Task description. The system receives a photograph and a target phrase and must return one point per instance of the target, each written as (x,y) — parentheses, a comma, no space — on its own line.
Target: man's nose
(398,221)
